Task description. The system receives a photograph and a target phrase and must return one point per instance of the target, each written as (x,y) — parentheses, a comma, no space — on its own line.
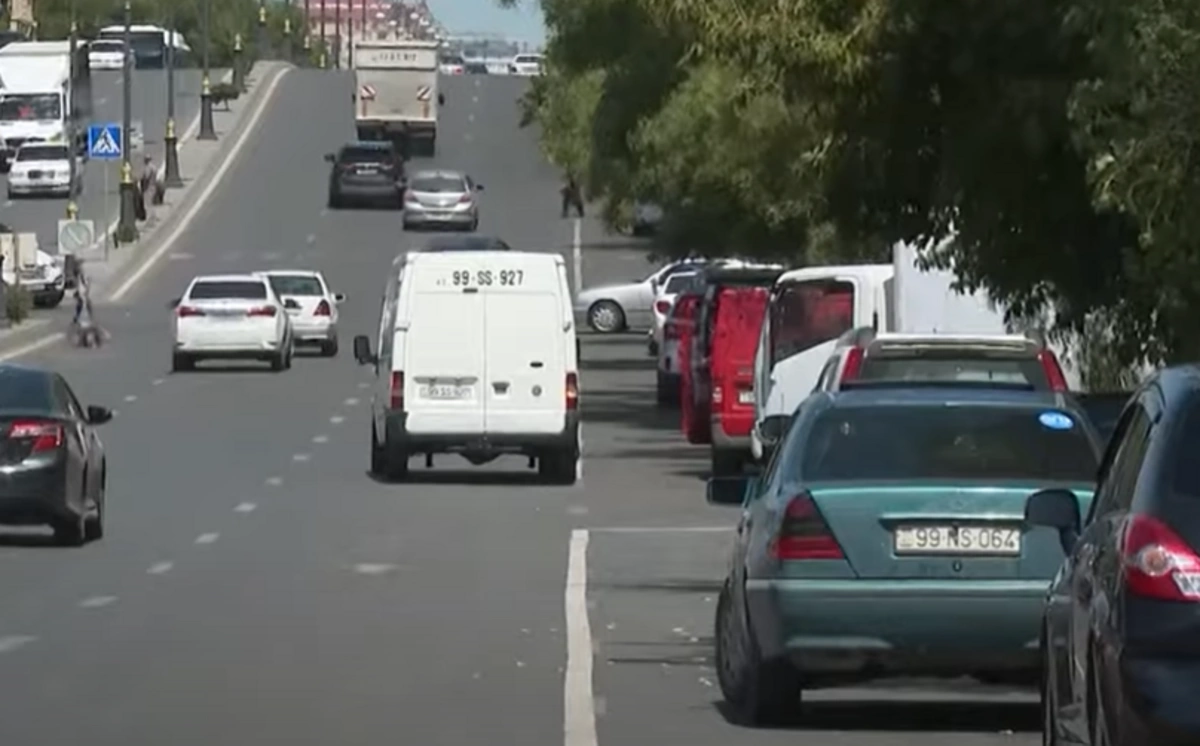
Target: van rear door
(526,339)
(444,342)
(740,313)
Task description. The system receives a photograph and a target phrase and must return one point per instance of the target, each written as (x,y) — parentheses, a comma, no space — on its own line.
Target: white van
(477,355)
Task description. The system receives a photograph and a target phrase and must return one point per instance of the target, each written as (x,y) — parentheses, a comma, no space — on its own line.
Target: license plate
(225,315)
(445,392)
(367,171)
(963,540)
(745,397)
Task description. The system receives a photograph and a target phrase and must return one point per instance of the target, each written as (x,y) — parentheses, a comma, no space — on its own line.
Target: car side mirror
(441,99)
(773,428)
(730,490)
(479,187)
(1057,509)
(174,303)
(362,351)
(291,304)
(330,158)
(339,297)
(98,415)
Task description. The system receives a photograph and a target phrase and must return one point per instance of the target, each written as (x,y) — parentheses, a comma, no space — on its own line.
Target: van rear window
(809,313)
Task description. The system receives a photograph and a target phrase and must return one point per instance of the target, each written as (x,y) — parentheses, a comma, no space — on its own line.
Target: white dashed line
(160,568)
(274,481)
(364,385)
(470,117)
(351,402)
(158,381)
(468,137)
(312,238)
(245,508)
(207,538)
(300,457)
(579,705)
(131,397)
(320,439)
(577,510)
(337,419)
(8,203)
(368,568)
(179,256)
(474,99)
(95,602)
(9,643)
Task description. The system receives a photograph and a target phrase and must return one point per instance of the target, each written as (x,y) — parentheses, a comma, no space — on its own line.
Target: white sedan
(676,284)
(106,54)
(312,306)
(231,317)
(44,169)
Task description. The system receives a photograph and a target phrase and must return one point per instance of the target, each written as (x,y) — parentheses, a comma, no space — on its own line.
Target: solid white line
(33,346)
(662,529)
(579,707)
(577,255)
(194,206)
(10,643)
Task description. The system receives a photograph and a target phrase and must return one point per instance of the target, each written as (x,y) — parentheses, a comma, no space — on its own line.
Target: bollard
(239,70)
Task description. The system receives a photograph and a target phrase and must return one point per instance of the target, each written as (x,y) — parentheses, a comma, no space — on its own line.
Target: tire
(759,693)
(280,361)
(330,348)
(392,467)
(606,317)
(377,454)
(71,532)
(726,463)
(182,363)
(334,202)
(474,226)
(666,392)
(559,467)
(1046,702)
(93,526)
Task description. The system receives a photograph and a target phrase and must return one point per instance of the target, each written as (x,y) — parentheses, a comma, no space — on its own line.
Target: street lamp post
(337,35)
(71,135)
(127,224)
(207,130)
(324,41)
(260,40)
(171,178)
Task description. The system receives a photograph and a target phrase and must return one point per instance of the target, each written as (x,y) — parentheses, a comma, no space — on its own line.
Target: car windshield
(24,390)
(940,441)
(954,367)
(42,153)
(228,289)
(437,184)
(30,106)
(365,155)
(296,285)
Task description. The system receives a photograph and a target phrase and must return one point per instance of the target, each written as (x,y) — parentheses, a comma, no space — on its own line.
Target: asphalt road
(258,587)
(41,214)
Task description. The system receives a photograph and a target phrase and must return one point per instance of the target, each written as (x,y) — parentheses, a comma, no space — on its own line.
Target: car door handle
(536,364)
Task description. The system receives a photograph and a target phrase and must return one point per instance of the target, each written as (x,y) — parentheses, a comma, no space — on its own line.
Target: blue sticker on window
(1056,421)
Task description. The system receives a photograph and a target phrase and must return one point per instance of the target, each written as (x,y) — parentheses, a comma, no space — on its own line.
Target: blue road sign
(104,141)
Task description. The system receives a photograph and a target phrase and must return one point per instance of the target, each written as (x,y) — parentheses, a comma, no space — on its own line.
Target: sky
(523,23)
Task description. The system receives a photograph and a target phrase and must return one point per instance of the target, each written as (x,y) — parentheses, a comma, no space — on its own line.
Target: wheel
(330,348)
(180,363)
(93,526)
(1049,706)
(760,693)
(559,467)
(474,226)
(386,463)
(334,202)
(726,463)
(606,317)
(666,392)
(71,532)
(377,454)
(279,361)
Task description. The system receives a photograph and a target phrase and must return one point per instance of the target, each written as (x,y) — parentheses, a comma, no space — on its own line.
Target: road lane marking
(274,481)
(245,508)
(364,385)
(351,402)
(160,568)
(34,346)
(312,238)
(131,397)
(194,206)
(158,381)
(370,568)
(320,439)
(207,538)
(9,643)
(301,457)
(579,706)
(337,419)
(95,602)
(661,529)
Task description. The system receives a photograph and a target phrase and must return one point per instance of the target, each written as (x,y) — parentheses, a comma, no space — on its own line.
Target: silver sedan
(441,199)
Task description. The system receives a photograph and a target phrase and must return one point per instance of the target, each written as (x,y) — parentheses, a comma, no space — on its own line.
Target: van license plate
(445,392)
(962,540)
(745,397)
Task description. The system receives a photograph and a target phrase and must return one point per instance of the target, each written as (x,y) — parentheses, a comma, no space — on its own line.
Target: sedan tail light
(323,309)
(186,311)
(465,199)
(46,436)
(1159,564)
(662,306)
(1054,371)
(267,311)
(804,534)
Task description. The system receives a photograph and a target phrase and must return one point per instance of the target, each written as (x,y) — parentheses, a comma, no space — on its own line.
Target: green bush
(18,303)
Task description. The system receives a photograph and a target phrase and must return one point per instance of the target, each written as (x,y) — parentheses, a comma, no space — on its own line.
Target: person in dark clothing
(572,197)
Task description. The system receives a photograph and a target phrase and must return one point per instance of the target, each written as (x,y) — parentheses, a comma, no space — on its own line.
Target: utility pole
(171,178)
(337,35)
(324,40)
(207,130)
(127,224)
(72,135)
(260,41)
(307,34)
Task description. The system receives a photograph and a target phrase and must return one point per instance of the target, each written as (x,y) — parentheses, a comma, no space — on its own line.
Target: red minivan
(735,340)
(724,290)
(672,353)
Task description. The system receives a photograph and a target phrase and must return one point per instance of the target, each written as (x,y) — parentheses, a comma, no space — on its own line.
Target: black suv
(366,172)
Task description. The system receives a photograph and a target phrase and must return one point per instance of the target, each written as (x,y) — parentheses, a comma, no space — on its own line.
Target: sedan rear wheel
(606,317)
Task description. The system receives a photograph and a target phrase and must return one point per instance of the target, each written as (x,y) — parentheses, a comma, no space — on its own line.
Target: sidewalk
(198,160)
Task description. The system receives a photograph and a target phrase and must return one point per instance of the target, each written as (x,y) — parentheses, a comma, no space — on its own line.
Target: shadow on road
(418,474)
(910,716)
(634,409)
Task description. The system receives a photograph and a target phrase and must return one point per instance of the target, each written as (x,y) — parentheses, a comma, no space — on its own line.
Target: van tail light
(262,311)
(572,392)
(662,306)
(186,311)
(1054,371)
(46,436)
(323,309)
(804,534)
(397,392)
(853,364)
(1158,563)
(718,394)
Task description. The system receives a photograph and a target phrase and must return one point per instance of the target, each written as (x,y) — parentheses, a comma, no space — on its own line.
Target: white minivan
(476,355)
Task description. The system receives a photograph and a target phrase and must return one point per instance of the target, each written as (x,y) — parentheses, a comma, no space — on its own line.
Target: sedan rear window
(679,283)
(42,153)
(228,289)
(23,390)
(953,368)
(296,285)
(366,155)
(437,184)
(961,443)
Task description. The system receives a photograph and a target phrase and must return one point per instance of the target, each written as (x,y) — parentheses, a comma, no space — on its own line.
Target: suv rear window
(233,289)
(366,155)
(953,367)
(961,443)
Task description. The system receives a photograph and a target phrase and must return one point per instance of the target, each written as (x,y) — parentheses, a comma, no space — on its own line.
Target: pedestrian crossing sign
(104,141)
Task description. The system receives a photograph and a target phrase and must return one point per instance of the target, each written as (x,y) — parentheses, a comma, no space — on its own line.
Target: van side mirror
(362,351)
(730,490)
(1057,509)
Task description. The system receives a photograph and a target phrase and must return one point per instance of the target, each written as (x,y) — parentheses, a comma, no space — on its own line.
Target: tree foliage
(1057,138)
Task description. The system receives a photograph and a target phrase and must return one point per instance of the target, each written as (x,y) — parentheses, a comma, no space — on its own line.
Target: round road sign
(75,235)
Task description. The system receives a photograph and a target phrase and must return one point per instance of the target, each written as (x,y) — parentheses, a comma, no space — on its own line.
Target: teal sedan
(886,538)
